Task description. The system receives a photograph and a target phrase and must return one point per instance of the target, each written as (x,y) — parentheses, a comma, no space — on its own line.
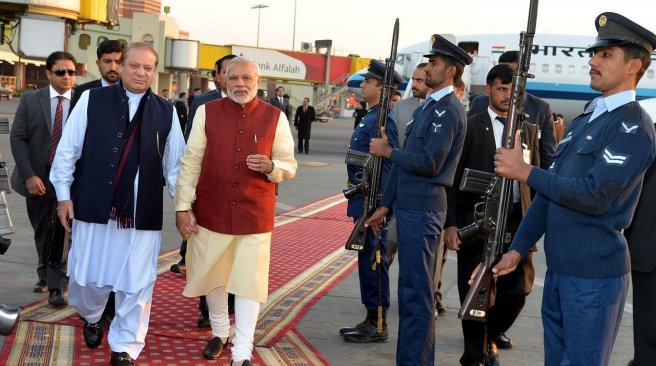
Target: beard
(112,76)
(241,99)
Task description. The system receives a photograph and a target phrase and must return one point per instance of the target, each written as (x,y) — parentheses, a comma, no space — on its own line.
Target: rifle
(372,169)
(492,213)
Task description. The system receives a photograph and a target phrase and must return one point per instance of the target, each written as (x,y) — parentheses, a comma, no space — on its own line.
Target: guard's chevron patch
(614,159)
(628,127)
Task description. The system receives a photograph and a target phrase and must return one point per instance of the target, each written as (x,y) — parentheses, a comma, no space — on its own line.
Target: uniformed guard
(422,170)
(587,198)
(372,87)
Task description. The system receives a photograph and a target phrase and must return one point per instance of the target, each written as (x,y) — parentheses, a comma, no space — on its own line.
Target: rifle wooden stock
(478,299)
(499,198)
(358,238)
(370,186)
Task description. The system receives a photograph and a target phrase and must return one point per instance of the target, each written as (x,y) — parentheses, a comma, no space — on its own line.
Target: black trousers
(303,145)
(303,138)
(40,211)
(55,252)
(509,301)
(644,318)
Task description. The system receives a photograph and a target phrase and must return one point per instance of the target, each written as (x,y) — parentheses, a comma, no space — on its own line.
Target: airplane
(558,62)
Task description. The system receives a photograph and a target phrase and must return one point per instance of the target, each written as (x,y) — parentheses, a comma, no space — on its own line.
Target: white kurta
(124,259)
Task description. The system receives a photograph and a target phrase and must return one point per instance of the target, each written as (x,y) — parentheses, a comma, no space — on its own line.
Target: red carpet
(307,261)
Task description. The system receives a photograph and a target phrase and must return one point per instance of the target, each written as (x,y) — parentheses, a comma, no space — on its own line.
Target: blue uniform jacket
(428,160)
(362,134)
(590,193)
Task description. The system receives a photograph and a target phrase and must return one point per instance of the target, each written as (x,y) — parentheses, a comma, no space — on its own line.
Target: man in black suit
(34,137)
(282,103)
(220,92)
(484,135)
(538,111)
(303,122)
(641,237)
(190,100)
(109,64)
(181,109)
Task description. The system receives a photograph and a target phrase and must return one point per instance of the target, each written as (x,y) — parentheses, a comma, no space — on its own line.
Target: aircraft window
(650,74)
(545,68)
(470,46)
(559,69)
(532,67)
(585,70)
(571,69)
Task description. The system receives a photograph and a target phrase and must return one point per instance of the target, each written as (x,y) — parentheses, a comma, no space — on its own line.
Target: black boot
(354,328)
(367,331)
(56,298)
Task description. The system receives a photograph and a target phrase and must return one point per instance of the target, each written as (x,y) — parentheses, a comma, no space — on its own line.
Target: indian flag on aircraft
(498,50)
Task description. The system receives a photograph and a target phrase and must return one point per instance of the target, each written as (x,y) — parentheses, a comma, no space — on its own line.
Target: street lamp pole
(259,7)
(294,29)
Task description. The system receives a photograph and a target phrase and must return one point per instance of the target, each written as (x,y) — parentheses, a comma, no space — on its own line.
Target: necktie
(304,109)
(281,103)
(502,120)
(56,129)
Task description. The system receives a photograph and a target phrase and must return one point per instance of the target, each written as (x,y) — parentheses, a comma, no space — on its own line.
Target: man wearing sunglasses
(35,134)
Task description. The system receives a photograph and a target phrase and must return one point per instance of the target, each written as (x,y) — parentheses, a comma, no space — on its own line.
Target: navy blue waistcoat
(104,141)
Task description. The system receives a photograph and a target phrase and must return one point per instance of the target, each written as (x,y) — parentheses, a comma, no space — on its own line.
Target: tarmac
(320,174)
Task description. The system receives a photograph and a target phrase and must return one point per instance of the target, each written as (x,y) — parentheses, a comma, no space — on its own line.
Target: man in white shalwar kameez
(239,147)
(117,140)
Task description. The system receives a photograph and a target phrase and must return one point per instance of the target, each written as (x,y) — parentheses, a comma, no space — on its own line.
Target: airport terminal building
(79,26)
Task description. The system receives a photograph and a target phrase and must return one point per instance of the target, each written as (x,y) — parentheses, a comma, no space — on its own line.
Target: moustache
(594,72)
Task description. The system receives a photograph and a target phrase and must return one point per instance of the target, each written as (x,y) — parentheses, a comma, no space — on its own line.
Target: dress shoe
(204,322)
(93,334)
(4,244)
(504,342)
(440,308)
(366,333)
(40,287)
(345,330)
(121,359)
(492,358)
(180,267)
(213,349)
(241,363)
(56,298)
